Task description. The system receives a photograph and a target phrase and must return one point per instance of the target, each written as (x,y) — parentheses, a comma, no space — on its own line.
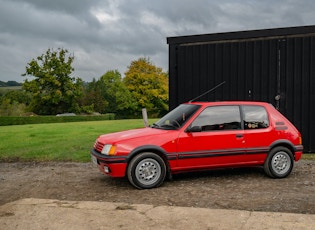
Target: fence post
(145,117)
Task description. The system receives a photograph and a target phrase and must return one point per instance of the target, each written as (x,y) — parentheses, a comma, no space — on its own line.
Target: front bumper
(114,166)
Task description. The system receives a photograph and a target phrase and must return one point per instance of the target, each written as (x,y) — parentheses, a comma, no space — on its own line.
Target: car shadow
(228,173)
(196,177)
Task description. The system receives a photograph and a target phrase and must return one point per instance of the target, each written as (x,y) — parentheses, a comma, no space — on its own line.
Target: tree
(19,96)
(14,102)
(108,95)
(116,93)
(11,108)
(148,85)
(53,89)
(93,100)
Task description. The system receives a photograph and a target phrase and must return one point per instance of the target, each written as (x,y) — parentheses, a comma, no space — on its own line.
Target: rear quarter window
(255,117)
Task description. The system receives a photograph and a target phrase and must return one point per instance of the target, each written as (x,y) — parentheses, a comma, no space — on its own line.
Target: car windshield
(176,118)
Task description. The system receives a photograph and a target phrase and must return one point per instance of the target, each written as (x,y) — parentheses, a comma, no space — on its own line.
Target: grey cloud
(73,7)
(109,34)
(25,19)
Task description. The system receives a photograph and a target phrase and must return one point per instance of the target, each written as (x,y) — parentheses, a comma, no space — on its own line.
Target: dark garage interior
(272,65)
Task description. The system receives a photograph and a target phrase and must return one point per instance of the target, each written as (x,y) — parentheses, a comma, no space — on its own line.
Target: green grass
(61,141)
(56,142)
(308,156)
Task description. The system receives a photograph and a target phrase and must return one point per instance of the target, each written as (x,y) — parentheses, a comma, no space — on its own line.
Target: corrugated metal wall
(277,69)
(297,79)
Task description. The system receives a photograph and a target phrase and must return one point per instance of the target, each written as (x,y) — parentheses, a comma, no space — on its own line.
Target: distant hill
(9,83)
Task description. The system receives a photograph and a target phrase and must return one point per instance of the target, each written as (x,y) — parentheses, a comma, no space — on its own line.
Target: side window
(219,118)
(255,117)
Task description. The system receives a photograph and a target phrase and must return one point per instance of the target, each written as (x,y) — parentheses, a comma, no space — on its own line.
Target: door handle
(239,135)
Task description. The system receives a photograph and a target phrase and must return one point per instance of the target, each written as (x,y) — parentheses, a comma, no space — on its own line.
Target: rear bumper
(110,165)
(298,152)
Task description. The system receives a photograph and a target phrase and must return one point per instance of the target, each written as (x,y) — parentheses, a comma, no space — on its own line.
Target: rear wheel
(279,162)
(146,170)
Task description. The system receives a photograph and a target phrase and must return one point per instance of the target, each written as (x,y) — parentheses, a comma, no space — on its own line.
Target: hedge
(4,121)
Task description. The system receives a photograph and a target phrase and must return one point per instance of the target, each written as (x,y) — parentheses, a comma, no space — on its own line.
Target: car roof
(229,103)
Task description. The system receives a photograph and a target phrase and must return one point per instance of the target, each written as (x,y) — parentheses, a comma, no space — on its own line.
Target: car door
(257,131)
(215,138)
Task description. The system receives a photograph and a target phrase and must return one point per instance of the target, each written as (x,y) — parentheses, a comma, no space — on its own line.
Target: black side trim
(187,155)
(221,153)
(298,148)
(171,156)
(258,150)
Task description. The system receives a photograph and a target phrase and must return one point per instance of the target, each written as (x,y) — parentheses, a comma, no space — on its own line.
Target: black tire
(146,170)
(279,162)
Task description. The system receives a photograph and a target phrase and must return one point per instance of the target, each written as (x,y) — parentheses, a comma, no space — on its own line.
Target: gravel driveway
(242,189)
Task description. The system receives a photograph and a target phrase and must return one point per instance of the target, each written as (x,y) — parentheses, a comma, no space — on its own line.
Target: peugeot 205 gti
(200,136)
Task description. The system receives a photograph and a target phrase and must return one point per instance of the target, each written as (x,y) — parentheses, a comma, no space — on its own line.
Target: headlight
(109,150)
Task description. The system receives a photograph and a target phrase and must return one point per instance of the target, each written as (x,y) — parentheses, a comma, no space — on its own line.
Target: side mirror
(194,129)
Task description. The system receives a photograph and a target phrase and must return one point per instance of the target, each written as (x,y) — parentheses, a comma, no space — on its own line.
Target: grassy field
(60,141)
(56,142)
(9,88)
(308,156)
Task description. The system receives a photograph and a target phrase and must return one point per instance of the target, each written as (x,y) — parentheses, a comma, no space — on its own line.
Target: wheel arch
(283,143)
(153,149)
(279,162)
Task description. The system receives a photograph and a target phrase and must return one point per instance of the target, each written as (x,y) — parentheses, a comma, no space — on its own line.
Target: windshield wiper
(154,125)
(169,126)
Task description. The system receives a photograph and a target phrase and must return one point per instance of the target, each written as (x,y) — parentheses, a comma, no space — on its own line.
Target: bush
(4,121)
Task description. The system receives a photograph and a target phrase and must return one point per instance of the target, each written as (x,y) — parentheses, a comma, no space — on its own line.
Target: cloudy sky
(108,34)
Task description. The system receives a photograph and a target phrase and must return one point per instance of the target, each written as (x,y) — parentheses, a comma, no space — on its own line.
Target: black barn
(273,65)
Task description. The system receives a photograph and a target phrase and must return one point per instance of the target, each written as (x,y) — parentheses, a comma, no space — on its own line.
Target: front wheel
(279,162)
(146,170)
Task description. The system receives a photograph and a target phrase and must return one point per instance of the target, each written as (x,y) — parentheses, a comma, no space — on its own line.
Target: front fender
(152,148)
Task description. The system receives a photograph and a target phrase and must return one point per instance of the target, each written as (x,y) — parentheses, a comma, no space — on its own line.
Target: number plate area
(94,160)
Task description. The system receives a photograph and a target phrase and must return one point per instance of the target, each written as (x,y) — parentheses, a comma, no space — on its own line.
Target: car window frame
(218,130)
(242,107)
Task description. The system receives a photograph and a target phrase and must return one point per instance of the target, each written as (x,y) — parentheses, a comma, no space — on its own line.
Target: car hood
(142,133)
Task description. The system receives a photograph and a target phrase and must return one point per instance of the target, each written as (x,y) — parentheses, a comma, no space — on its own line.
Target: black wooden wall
(276,66)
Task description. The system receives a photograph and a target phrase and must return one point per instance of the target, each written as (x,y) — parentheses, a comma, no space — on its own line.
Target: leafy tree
(11,108)
(93,100)
(53,89)
(116,93)
(148,85)
(14,102)
(19,96)
(108,95)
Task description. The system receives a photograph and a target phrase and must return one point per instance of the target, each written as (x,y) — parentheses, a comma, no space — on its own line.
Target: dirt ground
(242,189)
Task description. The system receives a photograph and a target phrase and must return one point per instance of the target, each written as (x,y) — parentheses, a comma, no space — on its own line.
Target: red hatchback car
(201,136)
